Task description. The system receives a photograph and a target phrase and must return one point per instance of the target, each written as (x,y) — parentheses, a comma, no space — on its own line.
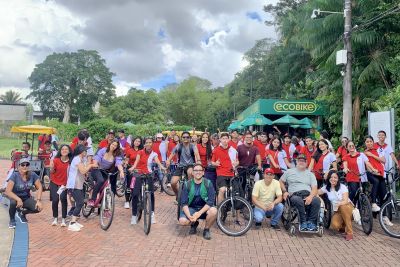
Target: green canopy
(256,119)
(307,123)
(236,125)
(287,120)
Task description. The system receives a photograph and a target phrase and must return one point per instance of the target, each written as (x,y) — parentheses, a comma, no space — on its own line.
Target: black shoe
(206,234)
(193,228)
(12,224)
(258,225)
(22,217)
(275,227)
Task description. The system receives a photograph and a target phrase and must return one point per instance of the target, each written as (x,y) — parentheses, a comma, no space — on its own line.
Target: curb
(19,252)
(8,235)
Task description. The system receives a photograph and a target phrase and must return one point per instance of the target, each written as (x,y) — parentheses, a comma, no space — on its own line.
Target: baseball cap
(24,160)
(111,131)
(159,135)
(80,149)
(268,170)
(301,156)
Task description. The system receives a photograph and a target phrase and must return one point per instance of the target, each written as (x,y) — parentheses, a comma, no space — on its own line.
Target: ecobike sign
(295,107)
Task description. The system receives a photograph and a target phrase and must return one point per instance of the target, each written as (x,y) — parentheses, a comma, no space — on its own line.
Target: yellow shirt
(267,194)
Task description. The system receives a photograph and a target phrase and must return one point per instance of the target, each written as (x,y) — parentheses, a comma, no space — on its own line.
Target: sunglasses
(24,164)
(185,137)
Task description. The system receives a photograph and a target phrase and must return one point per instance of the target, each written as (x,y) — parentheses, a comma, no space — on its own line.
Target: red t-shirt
(304,150)
(103,143)
(17,155)
(262,149)
(354,165)
(319,166)
(233,144)
(376,163)
(156,148)
(287,148)
(42,139)
(131,154)
(342,151)
(203,155)
(171,146)
(277,156)
(224,156)
(45,155)
(145,161)
(60,174)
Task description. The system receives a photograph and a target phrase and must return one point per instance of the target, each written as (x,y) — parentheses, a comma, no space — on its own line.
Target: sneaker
(133,220)
(193,228)
(206,234)
(12,224)
(258,225)
(275,227)
(126,205)
(79,225)
(375,208)
(21,217)
(349,237)
(386,221)
(153,218)
(90,203)
(303,226)
(63,224)
(74,227)
(54,223)
(312,227)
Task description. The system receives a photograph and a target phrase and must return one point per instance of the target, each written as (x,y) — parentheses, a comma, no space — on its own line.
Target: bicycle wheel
(121,187)
(86,211)
(147,213)
(166,185)
(366,214)
(139,207)
(107,209)
(327,213)
(233,221)
(390,210)
(179,207)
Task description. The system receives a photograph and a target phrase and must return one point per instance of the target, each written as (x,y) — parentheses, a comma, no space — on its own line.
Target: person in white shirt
(387,150)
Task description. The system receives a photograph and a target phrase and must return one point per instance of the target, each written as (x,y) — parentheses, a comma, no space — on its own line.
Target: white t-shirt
(75,178)
(335,196)
(328,160)
(386,150)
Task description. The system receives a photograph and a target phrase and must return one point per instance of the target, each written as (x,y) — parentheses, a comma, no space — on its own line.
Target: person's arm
(159,164)
(39,188)
(258,160)
(271,159)
(285,193)
(287,163)
(135,164)
(52,170)
(196,155)
(393,156)
(185,202)
(83,169)
(345,199)
(380,159)
(313,193)
(345,167)
(370,167)
(311,166)
(258,203)
(334,166)
(10,194)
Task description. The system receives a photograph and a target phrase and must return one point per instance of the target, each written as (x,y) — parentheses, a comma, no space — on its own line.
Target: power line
(372,20)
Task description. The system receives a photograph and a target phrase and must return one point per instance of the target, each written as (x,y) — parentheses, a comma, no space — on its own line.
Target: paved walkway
(6,235)
(170,245)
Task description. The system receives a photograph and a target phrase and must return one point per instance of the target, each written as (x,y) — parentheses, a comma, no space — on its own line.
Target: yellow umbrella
(33,129)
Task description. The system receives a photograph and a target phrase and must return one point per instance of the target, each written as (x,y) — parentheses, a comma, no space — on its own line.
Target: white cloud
(122,87)
(171,56)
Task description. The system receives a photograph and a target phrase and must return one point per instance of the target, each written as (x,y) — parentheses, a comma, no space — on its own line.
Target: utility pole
(347,128)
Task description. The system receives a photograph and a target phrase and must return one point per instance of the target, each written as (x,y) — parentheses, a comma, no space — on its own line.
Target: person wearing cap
(267,198)
(76,176)
(19,192)
(105,142)
(302,192)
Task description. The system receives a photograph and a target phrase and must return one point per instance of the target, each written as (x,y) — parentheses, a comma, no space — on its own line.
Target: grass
(8,143)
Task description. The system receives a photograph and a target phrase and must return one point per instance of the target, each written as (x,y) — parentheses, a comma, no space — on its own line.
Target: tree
(10,97)
(69,84)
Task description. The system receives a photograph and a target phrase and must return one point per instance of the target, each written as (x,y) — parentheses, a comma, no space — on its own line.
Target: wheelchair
(291,219)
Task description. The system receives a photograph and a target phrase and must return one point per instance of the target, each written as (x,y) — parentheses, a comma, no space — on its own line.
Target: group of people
(295,168)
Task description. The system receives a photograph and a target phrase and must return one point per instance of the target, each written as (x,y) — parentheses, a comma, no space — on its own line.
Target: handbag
(356,216)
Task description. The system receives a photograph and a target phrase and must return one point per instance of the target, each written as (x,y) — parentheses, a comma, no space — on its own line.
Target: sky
(147,44)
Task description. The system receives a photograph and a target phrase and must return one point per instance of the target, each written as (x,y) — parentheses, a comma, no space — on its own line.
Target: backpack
(191,148)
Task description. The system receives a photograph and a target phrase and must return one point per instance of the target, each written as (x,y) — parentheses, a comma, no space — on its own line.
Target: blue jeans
(276,214)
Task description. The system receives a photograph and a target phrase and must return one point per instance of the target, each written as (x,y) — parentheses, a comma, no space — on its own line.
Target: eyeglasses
(197,170)
(185,137)
(24,164)
(301,160)
(270,174)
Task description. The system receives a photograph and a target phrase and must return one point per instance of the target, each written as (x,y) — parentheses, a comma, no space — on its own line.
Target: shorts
(223,181)
(192,211)
(179,170)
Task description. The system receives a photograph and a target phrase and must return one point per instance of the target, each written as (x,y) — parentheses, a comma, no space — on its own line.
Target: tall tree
(71,83)
(10,97)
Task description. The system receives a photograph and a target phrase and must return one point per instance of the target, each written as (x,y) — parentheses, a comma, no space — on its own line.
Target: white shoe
(375,208)
(153,218)
(80,225)
(54,223)
(134,220)
(74,227)
(126,205)
(63,224)
(387,221)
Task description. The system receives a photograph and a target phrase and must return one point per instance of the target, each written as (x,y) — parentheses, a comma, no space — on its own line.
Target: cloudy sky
(147,43)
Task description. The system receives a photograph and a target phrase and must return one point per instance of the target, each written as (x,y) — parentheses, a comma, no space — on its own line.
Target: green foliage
(10,97)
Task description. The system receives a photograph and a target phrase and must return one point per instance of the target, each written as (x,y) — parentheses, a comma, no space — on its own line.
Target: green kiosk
(288,115)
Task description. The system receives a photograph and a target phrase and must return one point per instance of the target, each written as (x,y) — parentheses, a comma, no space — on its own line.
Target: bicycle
(166,182)
(235,214)
(327,204)
(391,207)
(144,203)
(105,199)
(248,173)
(181,183)
(121,186)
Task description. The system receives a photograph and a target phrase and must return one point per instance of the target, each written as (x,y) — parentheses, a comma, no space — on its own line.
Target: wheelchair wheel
(321,231)
(327,212)
(286,216)
(292,230)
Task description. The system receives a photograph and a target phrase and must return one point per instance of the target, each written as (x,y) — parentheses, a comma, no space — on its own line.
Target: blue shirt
(21,188)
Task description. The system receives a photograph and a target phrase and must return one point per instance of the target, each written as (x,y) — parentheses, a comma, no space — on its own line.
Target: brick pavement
(170,245)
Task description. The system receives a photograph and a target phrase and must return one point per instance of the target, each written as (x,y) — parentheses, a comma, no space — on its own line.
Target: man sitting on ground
(198,203)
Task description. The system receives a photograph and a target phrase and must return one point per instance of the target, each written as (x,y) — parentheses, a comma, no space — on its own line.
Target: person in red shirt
(342,150)
(288,147)
(234,139)
(376,178)
(277,158)
(262,146)
(172,143)
(130,158)
(205,152)
(105,142)
(58,180)
(354,164)
(225,159)
(45,155)
(17,155)
(42,140)
(309,149)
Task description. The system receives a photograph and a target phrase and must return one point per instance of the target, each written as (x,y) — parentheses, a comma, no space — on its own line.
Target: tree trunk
(356,113)
(67,114)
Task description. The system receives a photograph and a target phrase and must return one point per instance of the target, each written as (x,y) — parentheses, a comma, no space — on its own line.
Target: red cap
(268,170)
